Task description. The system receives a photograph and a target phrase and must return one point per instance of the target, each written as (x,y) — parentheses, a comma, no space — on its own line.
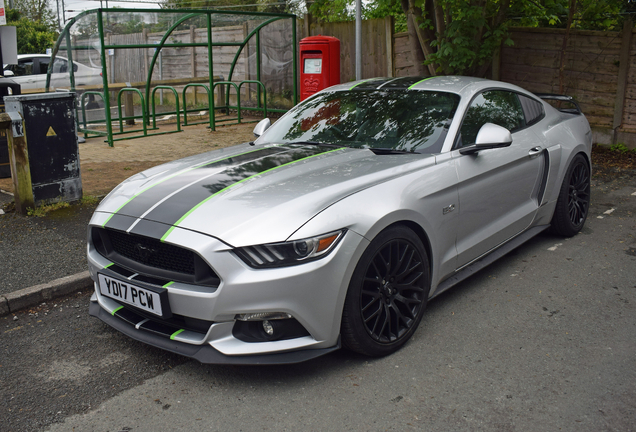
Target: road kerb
(37,294)
(4,307)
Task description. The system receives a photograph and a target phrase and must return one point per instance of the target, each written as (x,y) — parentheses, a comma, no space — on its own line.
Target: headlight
(291,252)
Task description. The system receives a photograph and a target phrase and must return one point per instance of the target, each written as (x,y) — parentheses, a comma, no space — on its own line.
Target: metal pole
(358,39)
(211,74)
(63,13)
(59,24)
(161,76)
(295,62)
(102,56)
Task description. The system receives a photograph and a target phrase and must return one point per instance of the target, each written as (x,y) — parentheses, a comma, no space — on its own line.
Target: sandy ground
(104,167)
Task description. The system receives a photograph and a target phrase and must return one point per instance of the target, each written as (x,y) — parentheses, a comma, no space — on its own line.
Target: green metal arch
(190,13)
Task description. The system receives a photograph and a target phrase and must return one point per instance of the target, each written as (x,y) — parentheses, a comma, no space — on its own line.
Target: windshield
(411,121)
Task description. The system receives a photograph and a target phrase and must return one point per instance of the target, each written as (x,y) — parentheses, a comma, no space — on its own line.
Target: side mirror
(8,73)
(490,136)
(261,127)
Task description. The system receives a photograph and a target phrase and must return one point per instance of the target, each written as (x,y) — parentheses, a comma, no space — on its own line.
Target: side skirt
(488,259)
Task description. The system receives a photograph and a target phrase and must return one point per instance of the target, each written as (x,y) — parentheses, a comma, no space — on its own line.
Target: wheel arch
(421,234)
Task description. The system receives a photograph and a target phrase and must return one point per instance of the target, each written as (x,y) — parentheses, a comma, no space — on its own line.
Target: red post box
(319,64)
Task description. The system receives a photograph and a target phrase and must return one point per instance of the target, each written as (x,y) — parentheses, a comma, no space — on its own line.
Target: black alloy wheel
(579,194)
(574,199)
(387,294)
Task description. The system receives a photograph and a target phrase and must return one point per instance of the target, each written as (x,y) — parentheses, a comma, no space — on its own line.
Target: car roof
(461,85)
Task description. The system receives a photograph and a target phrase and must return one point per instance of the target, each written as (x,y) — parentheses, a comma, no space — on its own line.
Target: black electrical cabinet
(50,131)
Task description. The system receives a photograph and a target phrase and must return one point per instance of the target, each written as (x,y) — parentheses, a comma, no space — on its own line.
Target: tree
(37,11)
(33,37)
(461,36)
(458,36)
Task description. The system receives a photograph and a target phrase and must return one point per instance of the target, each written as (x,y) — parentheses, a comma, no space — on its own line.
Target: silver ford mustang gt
(339,223)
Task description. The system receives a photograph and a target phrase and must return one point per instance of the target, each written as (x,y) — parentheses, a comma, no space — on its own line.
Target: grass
(622,148)
(89,200)
(42,211)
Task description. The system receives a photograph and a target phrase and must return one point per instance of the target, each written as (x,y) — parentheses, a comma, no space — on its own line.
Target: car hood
(248,194)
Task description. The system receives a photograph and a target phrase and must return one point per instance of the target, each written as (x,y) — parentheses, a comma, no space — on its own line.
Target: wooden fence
(377,59)
(597,74)
(597,68)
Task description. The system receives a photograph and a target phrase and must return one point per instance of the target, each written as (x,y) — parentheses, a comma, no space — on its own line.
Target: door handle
(535,151)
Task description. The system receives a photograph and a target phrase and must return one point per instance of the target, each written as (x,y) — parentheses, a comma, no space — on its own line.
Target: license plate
(133,295)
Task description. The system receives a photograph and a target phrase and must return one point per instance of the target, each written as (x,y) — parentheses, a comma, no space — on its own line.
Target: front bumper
(205,353)
(313,293)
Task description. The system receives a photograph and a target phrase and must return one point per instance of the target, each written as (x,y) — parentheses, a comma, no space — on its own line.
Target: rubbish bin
(6,86)
(51,139)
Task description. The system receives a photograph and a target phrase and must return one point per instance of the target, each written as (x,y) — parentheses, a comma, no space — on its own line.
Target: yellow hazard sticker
(51,132)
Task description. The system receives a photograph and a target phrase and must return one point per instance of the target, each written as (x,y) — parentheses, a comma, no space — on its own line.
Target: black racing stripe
(171,210)
(150,229)
(372,84)
(402,83)
(142,202)
(120,222)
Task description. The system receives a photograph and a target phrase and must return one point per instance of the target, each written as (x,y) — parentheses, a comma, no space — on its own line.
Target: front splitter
(205,353)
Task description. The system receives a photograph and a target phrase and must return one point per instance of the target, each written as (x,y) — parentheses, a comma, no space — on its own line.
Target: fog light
(268,327)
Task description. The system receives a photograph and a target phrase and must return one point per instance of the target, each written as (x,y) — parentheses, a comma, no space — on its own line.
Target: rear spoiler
(574,107)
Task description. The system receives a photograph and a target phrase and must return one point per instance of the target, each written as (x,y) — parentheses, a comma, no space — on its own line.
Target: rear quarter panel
(565,135)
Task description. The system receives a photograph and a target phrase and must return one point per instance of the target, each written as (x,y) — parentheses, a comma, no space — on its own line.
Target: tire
(387,294)
(574,199)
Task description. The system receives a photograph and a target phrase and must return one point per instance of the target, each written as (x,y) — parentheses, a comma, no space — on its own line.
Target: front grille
(152,252)
(158,261)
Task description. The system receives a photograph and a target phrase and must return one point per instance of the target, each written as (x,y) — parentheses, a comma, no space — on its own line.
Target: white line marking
(634,194)
(553,248)
(609,212)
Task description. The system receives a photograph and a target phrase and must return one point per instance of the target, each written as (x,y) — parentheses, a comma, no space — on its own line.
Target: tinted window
(496,106)
(24,67)
(533,109)
(391,119)
(43,65)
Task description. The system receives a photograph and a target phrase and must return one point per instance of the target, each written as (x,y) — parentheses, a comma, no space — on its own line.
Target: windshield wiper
(386,151)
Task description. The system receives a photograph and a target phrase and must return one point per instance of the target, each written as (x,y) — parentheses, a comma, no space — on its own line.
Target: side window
(43,66)
(24,67)
(533,109)
(60,66)
(495,106)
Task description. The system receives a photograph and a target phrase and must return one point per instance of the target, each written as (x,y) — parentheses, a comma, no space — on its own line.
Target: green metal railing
(187,14)
(143,115)
(176,111)
(186,111)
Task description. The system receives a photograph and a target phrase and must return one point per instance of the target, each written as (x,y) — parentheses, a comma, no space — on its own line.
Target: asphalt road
(544,339)
(37,250)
